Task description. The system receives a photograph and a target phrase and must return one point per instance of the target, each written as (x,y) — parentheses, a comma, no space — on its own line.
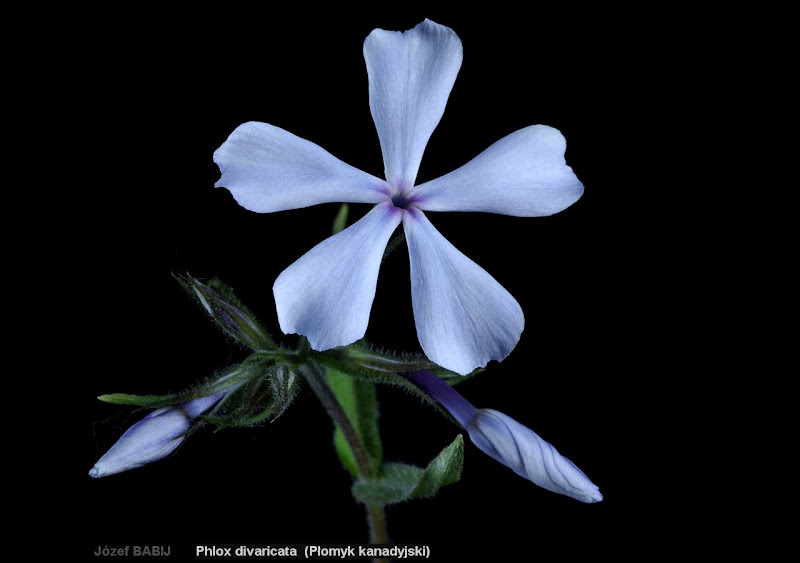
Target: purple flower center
(402,201)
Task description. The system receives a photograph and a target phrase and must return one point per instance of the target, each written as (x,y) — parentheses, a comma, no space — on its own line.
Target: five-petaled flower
(464,317)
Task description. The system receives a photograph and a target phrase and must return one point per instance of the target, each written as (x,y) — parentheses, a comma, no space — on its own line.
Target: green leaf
(340,221)
(243,375)
(345,453)
(137,400)
(359,402)
(395,485)
(443,470)
(401,482)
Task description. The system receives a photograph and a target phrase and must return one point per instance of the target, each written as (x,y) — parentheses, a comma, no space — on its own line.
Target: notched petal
(523,174)
(411,75)
(268,169)
(327,294)
(464,317)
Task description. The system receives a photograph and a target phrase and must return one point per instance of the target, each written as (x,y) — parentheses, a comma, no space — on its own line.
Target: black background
(587,375)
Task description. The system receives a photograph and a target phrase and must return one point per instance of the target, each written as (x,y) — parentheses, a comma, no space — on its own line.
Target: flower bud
(520,448)
(505,440)
(154,437)
(229,313)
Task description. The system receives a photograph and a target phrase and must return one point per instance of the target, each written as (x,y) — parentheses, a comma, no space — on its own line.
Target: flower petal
(411,74)
(268,169)
(516,446)
(327,294)
(464,317)
(523,174)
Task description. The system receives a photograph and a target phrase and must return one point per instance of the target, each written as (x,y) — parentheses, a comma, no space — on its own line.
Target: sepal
(265,396)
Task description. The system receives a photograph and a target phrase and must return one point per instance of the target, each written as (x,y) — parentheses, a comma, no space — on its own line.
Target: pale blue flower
(464,317)
(154,437)
(514,445)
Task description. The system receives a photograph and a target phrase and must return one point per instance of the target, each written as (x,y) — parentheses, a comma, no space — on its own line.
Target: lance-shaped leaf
(359,402)
(228,312)
(224,381)
(401,482)
(138,400)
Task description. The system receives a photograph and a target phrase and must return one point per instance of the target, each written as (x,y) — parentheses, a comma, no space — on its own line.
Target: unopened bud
(229,313)
(507,441)
(154,437)
(523,450)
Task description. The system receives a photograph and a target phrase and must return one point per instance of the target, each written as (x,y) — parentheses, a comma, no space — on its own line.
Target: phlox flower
(464,317)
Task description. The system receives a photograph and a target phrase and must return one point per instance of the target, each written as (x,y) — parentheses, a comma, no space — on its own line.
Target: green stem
(313,374)
(377,524)
(376,515)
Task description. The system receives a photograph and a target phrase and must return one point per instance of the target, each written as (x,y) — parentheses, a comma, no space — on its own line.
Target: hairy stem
(377,523)
(376,515)
(316,380)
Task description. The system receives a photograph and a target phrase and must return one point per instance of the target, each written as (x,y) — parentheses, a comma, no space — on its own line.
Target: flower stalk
(376,514)
(316,380)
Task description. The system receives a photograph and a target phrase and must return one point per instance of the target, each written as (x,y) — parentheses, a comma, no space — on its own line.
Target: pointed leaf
(235,376)
(400,481)
(443,470)
(137,400)
(344,452)
(395,485)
